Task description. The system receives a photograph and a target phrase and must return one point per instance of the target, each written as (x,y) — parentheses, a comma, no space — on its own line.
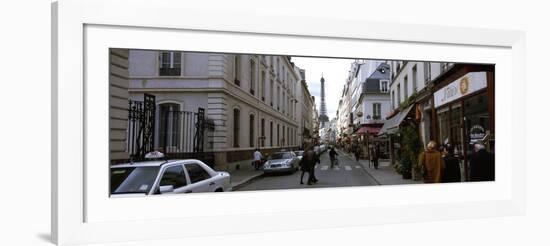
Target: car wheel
(219,190)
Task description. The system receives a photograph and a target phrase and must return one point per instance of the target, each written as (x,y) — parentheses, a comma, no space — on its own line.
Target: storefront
(367,138)
(389,133)
(462,111)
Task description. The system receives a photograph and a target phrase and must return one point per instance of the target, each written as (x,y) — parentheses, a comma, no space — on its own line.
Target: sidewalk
(385,174)
(242,173)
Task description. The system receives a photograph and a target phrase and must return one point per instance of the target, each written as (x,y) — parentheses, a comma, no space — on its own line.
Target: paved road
(348,173)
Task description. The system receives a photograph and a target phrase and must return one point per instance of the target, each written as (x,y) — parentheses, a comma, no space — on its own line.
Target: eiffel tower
(323,118)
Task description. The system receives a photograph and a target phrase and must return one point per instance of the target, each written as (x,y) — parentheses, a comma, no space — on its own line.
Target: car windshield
(132,179)
(299,153)
(276,156)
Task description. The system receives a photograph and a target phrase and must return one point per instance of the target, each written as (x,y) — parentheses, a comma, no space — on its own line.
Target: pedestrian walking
(451,173)
(482,164)
(357,152)
(431,163)
(303,166)
(333,161)
(307,164)
(257,159)
(375,155)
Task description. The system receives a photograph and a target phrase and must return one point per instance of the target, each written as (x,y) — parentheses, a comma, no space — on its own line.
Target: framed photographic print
(173,125)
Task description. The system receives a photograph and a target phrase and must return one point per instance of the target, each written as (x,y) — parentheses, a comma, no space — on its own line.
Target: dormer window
(384,86)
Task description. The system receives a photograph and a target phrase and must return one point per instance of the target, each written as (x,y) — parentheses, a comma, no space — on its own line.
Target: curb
(367,171)
(246,181)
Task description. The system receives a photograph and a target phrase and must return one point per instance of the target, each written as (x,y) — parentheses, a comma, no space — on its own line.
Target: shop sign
(461,87)
(477,132)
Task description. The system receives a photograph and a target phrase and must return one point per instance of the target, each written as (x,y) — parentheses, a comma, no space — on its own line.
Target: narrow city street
(347,173)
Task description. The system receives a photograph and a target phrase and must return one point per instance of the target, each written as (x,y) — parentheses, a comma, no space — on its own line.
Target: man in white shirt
(257,159)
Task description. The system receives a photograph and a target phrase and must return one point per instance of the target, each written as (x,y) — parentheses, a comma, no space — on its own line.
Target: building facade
(450,103)
(304,111)
(373,104)
(374,100)
(344,113)
(362,102)
(250,101)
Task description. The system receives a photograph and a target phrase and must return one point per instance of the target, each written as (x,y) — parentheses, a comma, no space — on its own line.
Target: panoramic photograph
(193,122)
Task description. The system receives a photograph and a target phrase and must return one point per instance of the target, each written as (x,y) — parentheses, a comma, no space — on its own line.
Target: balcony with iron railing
(373,119)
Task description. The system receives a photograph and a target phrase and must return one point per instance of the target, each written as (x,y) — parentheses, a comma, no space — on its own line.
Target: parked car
(299,154)
(281,162)
(166,177)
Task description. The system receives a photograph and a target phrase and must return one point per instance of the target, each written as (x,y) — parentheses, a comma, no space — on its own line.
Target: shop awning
(368,130)
(392,125)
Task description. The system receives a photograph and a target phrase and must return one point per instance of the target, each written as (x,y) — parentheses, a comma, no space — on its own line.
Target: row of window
(414,78)
(289,132)
(170,64)
(397,99)
(284,101)
(171,135)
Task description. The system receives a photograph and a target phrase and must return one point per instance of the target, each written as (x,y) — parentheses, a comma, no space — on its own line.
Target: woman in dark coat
(451,173)
(482,165)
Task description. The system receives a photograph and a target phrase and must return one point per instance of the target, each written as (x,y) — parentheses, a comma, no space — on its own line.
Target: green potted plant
(398,168)
(406,168)
(410,150)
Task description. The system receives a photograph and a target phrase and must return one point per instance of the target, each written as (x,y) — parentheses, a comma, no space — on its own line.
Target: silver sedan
(282,162)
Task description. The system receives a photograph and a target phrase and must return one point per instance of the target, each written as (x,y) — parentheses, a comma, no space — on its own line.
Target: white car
(166,177)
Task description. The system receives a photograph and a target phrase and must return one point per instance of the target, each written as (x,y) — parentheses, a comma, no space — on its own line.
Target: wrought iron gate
(141,127)
(181,135)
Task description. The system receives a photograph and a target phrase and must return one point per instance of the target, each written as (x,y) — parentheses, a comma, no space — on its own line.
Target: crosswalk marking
(335,168)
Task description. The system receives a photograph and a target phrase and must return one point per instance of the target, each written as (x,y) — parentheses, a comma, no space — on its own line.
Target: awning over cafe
(392,125)
(368,130)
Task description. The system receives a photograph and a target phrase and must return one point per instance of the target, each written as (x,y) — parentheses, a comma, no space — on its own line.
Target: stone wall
(118,103)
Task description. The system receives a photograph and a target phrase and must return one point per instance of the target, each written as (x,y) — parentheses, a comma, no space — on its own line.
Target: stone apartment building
(249,101)
(304,111)
(363,101)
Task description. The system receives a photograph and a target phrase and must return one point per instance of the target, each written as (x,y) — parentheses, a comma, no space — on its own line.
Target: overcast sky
(335,72)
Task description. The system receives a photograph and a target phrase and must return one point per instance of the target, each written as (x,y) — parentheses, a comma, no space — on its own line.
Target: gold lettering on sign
(449,92)
(464,84)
